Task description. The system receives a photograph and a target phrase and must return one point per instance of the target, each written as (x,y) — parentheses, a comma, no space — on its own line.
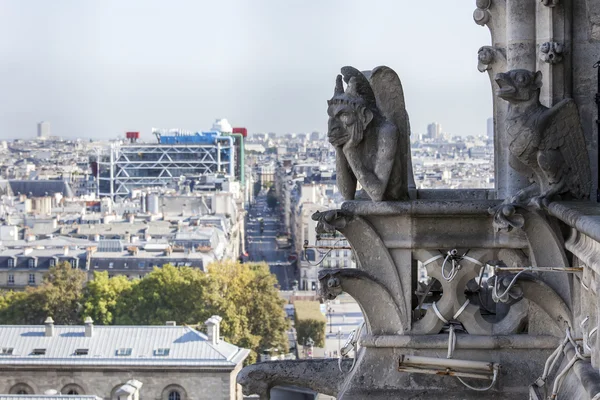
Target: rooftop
(140,346)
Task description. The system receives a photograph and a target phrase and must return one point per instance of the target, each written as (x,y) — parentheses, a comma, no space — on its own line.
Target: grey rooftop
(140,346)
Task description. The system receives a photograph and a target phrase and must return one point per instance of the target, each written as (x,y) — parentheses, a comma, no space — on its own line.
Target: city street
(263,247)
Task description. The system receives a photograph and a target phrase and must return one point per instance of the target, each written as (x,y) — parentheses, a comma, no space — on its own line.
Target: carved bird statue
(545,144)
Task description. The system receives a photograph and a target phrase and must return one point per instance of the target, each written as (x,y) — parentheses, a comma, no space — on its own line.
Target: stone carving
(322,376)
(550,3)
(368,126)
(370,295)
(331,221)
(546,144)
(551,52)
(481,15)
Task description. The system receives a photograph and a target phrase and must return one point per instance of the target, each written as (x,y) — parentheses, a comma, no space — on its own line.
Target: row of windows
(11,279)
(31,263)
(142,265)
(171,392)
(125,351)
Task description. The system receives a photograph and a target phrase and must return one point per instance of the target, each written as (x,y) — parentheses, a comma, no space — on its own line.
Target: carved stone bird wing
(562,131)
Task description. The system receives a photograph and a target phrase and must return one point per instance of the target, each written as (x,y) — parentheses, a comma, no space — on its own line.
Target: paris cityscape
(292,200)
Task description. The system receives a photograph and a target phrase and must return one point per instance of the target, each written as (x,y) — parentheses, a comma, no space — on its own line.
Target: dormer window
(52,262)
(11,262)
(7,351)
(38,352)
(123,351)
(162,352)
(31,263)
(82,352)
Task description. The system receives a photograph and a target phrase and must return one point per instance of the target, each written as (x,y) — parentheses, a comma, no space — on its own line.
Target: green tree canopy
(102,294)
(59,296)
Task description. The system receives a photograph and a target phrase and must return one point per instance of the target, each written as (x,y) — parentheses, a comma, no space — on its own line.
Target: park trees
(244,295)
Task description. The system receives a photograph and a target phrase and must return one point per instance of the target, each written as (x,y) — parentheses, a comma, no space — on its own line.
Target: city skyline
(98,70)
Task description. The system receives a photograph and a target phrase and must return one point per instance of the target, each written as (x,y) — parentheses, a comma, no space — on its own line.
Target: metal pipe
(597,66)
(463,342)
(443,363)
(448,372)
(538,269)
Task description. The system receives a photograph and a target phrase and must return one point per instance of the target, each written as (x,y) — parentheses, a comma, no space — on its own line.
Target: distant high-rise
(434,131)
(43,129)
(490,128)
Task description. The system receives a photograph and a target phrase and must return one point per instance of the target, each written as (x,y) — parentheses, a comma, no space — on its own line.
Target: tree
(310,322)
(61,293)
(271,199)
(252,311)
(165,294)
(59,296)
(102,294)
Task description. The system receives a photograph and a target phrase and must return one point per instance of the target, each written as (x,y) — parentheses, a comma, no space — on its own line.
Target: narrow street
(261,246)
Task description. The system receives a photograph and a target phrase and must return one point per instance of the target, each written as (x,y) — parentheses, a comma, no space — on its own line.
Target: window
(74,263)
(110,264)
(174,395)
(81,352)
(7,351)
(11,279)
(31,263)
(52,262)
(21,388)
(38,352)
(32,279)
(11,262)
(162,352)
(124,351)
(125,265)
(142,264)
(73,392)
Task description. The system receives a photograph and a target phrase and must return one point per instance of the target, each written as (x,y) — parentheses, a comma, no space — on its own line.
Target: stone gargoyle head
(518,85)
(331,286)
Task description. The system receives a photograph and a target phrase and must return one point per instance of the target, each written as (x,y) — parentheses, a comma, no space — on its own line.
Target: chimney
(213,329)
(89,327)
(66,250)
(171,323)
(49,322)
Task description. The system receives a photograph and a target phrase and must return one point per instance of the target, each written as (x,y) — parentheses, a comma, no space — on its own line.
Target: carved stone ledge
(551,52)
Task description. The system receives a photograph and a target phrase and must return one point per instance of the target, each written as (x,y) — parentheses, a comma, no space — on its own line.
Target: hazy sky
(99,68)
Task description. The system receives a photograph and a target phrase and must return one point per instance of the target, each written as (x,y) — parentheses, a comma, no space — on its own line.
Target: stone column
(493,60)
(520,54)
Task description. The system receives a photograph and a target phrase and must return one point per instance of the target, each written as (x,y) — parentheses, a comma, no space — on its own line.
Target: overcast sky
(95,69)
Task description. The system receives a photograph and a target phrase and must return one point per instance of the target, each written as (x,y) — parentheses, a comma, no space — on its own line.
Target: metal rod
(329,247)
(538,269)
(463,342)
(448,372)
(597,66)
(443,363)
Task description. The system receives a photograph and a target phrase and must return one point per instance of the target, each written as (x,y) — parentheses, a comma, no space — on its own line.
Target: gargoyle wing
(389,96)
(563,131)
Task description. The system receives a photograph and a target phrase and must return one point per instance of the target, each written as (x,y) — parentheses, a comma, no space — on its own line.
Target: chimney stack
(213,329)
(49,322)
(89,327)
(171,323)
(66,251)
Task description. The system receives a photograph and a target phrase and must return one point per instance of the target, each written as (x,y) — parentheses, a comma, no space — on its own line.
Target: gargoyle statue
(368,126)
(545,144)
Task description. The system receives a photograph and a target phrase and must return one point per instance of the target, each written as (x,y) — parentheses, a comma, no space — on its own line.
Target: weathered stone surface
(368,126)
(546,144)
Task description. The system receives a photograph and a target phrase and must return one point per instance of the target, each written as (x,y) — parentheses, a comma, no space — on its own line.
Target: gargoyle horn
(361,84)
(339,86)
